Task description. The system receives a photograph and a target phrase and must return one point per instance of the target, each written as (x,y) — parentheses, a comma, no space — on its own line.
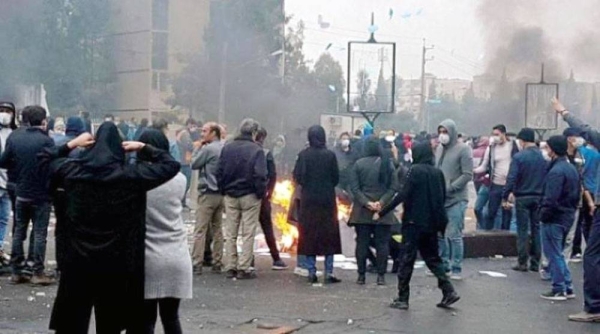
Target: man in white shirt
(496,162)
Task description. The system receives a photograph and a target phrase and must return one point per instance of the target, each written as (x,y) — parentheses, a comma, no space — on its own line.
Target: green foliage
(60,44)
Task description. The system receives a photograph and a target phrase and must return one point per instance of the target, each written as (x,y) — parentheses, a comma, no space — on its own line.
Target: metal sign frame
(371,115)
(540,131)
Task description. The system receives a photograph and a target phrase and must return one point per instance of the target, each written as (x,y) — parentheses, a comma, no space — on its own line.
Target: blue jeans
(39,215)
(483,196)
(495,205)
(311,262)
(451,245)
(553,236)
(186,170)
(591,268)
(301,261)
(5,205)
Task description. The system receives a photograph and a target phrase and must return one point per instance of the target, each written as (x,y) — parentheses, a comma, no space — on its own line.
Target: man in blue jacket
(525,182)
(591,257)
(557,213)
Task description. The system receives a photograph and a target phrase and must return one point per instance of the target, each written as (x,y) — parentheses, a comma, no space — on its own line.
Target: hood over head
(450,126)
(316,136)
(372,147)
(75,126)
(422,153)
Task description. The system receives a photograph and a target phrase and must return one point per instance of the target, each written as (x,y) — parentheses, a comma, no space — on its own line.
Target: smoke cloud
(520,35)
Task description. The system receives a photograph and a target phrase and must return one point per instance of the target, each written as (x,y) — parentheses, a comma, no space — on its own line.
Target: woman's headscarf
(422,153)
(316,136)
(106,151)
(372,148)
(155,138)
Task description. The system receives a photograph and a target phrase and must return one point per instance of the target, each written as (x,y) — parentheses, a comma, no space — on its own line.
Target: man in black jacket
(525,182)
(561,195)
(33,202)
(266,221)
(242,178)
(423,191)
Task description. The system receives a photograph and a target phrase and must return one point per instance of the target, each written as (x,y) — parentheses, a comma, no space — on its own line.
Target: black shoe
(449,299)
(380,279)
(312,279)
(231,273)
(399,304)
(246,275)
(361,279)
(520,267)
(534,269)
(395,267)
(332,280)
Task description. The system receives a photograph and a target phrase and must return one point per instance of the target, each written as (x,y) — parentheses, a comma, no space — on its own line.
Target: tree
(363,84)
(330,80)
(59,44)
(382,98)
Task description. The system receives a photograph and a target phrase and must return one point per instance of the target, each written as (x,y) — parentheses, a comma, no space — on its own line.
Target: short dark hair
(345,133)
(160,124)
(144,122)
(109,116)
(500,127)
(357,132)
(214,127)
(261,134)
(35,115)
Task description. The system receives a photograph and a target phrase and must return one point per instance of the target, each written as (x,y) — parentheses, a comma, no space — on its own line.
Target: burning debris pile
(282,197)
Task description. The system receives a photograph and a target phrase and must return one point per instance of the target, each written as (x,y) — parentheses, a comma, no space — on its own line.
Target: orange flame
(282,196)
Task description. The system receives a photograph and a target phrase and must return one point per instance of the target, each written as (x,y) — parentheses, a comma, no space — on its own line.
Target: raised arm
(148,175)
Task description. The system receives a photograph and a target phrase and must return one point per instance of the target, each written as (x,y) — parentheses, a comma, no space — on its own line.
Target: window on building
(160,14)
(160,51)
(163,82)
(154,80)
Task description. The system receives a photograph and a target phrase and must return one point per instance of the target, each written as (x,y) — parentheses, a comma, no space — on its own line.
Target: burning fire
(282,196)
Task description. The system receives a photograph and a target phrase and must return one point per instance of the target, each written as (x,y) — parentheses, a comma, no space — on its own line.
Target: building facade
(152,42)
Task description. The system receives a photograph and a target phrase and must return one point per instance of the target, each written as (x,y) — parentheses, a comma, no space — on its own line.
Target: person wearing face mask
(525,182)
(455,160)
(561,195)
(346,158)
(242,178)
(591,257)
(185,141)
(496,162)
(7,125)
(33,201)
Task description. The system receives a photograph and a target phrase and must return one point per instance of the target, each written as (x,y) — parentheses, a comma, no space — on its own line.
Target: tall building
(152,39)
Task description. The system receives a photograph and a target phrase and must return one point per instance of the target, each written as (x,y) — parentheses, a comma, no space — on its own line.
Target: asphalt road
(280,302)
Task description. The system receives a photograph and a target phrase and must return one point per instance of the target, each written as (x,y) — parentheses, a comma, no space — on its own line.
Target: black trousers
(381,237)
(415,239)
(60,212)
(266,223)
(584,224)
(169,315)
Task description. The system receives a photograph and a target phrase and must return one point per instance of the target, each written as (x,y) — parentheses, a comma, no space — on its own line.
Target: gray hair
(249,127)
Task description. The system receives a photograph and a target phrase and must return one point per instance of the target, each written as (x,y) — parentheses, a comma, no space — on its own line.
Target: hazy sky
(451,26)
(456,31)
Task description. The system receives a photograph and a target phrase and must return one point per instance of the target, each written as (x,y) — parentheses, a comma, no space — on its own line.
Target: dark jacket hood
(372,147)
(74,126)
(422,153)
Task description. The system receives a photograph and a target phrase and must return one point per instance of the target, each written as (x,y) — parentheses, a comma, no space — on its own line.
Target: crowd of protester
(118,194)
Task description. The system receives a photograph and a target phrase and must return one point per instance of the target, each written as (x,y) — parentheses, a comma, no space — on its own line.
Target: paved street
(280,302)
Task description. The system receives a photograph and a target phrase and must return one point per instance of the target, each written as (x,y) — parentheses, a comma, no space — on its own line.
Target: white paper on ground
(493,274)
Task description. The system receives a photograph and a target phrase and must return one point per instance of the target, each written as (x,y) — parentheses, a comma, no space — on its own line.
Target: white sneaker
(301,272)
(456,277)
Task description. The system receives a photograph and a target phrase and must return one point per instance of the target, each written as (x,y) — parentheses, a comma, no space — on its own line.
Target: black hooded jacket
(423,190)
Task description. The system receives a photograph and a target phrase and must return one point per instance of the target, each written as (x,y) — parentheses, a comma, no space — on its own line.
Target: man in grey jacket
(455,160)
(209,213)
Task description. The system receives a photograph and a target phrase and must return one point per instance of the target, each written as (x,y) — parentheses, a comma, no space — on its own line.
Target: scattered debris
(30,298)
(350,321)
(40,294)
(493,274)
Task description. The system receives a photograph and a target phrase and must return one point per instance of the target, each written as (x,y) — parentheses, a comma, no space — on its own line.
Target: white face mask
(496,139)
(444,138)
(5,118)
(579,142)
(345,142)
(389,138)
(546,155)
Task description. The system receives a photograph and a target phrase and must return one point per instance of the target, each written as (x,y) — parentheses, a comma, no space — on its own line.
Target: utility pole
(423,112)
(223,85)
